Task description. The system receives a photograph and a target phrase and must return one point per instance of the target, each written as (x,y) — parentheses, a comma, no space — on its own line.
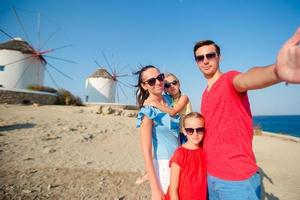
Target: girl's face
(172,85)
(194,130)
(148,84)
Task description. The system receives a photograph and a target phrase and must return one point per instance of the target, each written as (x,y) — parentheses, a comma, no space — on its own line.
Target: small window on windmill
(2,68)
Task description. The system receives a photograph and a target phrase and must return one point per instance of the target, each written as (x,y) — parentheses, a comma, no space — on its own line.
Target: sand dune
(60,152)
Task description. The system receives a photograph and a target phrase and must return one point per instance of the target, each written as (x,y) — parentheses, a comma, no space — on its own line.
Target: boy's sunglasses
(190,131)
(167,85)
(152,81)
(208,56)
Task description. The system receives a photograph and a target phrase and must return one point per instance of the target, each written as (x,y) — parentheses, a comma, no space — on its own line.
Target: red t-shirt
(229,131)
(192,179)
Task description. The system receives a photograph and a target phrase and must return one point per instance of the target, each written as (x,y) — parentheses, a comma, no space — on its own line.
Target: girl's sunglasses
(167,85)
(190,131)
(152,81)
(208,56)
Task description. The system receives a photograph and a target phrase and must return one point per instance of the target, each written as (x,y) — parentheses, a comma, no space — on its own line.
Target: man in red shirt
(232,170)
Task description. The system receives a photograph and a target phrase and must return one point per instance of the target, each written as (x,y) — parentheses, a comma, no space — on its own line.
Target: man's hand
(288,60)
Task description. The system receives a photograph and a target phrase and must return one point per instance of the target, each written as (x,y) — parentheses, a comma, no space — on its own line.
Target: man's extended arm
(286,68)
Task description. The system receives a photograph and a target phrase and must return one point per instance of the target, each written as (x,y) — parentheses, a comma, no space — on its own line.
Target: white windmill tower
(100,87)
(22,64)
(103,86)
(15,74)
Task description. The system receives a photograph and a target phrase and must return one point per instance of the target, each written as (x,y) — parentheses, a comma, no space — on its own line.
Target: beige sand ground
(59,152)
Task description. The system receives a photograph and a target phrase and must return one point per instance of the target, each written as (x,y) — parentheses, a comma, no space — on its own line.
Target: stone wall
(115,109)
(18,96)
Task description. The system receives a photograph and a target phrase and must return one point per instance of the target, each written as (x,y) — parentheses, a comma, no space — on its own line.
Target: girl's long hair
(141,93)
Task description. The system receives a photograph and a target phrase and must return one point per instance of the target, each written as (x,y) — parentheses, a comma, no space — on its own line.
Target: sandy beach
(66,152)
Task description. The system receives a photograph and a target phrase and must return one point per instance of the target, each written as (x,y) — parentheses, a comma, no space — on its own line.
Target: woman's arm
(174,181)
(146,143)
(183,100)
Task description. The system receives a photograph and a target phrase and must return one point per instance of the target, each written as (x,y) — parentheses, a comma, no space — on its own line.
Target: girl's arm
(183,100)
(146,143)
(174,181)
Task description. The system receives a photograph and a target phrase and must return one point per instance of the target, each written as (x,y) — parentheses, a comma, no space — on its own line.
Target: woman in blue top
(159,131)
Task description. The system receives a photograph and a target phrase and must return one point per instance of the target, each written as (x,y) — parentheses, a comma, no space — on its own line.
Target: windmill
(103,85)
(22,63)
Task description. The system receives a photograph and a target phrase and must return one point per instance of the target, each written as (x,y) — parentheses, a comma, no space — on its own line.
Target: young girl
(188,169)
(181,104)
(158,130)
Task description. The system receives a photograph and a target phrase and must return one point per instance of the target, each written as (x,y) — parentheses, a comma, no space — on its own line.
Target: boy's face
(194,123)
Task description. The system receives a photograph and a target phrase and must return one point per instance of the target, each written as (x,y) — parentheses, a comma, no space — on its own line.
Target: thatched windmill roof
(101,73)
(17,44)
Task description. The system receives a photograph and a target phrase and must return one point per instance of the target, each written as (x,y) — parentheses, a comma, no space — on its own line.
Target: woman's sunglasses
(191,131)
(167,85)
(208,56)
(152,81)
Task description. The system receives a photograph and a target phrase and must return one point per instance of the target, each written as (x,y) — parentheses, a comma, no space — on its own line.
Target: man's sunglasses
(190,131)
(167,85)
(152,81)
(208,56)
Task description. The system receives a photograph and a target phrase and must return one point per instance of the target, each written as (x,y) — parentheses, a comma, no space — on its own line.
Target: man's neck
(212,79)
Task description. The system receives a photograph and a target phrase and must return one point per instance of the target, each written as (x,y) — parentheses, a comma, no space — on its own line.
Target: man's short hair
(204,43)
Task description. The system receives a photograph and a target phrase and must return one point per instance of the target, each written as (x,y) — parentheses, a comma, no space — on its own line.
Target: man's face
(207,60)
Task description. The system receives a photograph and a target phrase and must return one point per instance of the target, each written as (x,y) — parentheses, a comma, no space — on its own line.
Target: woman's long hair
(141,93)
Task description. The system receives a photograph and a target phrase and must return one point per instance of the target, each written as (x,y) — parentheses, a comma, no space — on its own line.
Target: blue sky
(161,33)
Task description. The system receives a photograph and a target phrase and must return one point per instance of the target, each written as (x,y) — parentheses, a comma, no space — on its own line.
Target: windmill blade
(18,60)
(59,71)
(38,72)
(114,65)
(125,84)
(123,68)
(57,48)
(98,65)
(39,29)
(123,75)
(123,92)
(51,77)
(117,66)
(27,66)
(106,60)
(6,34)
(22,26)
(117,93)
(51,50)
(62,59)
(42,46)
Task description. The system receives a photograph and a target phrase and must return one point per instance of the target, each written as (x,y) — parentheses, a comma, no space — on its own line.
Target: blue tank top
(165,130)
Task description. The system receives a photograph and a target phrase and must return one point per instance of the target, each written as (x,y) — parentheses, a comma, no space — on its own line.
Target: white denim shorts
(162,170)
